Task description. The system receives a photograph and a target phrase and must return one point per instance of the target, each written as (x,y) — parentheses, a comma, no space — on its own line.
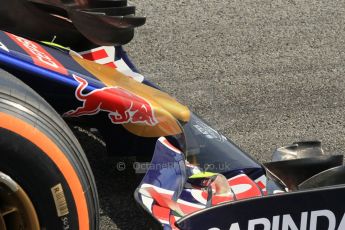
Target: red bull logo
(122,106)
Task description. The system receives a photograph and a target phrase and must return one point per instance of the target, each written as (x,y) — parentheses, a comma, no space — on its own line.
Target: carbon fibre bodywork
(78,24)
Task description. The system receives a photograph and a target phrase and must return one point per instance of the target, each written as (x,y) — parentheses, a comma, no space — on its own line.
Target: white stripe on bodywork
(179,201)
(147,201)
(158,189)
(197,194)
(122,67)
(241,188)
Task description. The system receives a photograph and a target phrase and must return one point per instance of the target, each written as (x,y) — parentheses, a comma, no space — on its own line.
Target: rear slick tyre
(40,154)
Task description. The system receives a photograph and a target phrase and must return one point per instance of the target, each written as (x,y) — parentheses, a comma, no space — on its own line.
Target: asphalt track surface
(265,73)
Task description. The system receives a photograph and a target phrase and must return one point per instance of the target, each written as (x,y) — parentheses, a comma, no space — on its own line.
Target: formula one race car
(64,59)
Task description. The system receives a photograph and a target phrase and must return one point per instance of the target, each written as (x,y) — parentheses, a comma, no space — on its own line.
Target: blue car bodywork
(197,178)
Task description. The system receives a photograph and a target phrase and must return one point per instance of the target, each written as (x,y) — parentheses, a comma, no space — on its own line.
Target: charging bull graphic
(122,105)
